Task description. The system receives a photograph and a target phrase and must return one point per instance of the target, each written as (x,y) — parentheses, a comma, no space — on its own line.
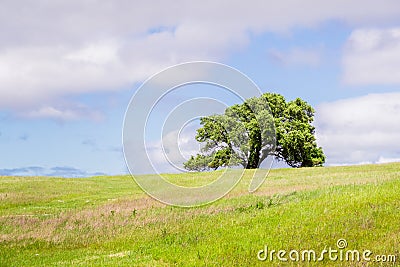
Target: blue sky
(69,68)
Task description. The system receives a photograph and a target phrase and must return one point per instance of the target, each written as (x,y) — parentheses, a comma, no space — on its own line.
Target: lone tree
(246,134)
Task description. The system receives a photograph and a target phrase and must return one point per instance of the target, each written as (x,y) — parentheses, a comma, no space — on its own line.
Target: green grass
(109,221)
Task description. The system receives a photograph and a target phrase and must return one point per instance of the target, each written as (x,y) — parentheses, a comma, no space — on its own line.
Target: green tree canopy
(246,134)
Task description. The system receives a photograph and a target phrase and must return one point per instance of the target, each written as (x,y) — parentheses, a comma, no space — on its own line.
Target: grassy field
(109,221)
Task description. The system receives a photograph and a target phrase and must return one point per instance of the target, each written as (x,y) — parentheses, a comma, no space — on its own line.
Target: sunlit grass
(110,221)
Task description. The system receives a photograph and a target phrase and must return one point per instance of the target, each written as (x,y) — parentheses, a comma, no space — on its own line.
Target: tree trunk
(254,159)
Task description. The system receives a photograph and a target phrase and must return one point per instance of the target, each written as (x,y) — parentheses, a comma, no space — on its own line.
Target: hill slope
(110,221)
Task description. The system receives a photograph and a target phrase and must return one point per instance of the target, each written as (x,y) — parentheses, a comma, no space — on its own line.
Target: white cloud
(62,114)
(52,49)
(388,160)
(372,56)
(175,148)
(362,129)
(297,57)
(99,54)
